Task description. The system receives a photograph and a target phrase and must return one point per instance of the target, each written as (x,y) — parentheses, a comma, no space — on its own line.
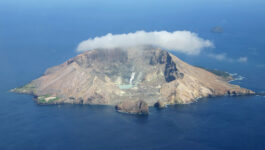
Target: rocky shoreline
(130,79)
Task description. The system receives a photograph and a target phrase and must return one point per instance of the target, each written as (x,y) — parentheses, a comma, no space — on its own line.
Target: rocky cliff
(133,76)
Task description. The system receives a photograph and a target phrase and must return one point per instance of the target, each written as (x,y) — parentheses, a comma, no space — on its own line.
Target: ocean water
(35,35)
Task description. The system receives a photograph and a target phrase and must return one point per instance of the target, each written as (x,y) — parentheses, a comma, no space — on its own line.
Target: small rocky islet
(131,79)
(217,29)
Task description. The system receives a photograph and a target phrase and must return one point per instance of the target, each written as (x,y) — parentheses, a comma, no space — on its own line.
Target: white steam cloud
(180,41)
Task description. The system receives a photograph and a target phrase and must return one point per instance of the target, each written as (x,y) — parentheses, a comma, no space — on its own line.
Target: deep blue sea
(35,35)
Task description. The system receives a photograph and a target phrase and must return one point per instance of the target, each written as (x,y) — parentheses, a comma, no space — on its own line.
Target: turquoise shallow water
(35,36)
(127,86)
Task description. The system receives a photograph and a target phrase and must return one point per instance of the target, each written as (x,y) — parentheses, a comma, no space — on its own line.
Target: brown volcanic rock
(112,76)
(139,107)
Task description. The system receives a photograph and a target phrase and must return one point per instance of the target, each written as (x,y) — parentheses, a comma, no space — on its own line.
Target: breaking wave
(236,77)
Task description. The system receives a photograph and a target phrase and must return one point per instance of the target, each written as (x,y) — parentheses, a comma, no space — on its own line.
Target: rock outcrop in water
(139,107)
(123,76)
(217,29)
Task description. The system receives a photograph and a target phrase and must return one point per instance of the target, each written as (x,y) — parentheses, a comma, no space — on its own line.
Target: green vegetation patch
(223,74)
(28,88)
(219,73)
(47,99)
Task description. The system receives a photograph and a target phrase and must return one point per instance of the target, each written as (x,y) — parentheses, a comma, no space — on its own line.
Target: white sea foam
(236,77)
(239,78)
(233,74)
